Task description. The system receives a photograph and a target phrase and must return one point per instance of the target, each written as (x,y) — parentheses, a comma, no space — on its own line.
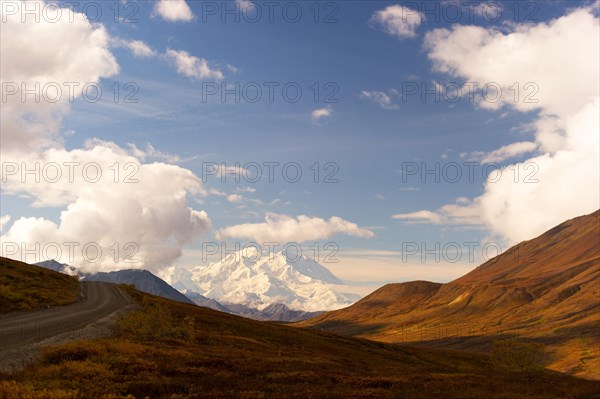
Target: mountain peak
(252,278)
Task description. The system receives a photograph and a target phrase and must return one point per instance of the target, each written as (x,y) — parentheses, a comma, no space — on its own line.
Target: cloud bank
(561,58)
(108,198)
(284,228)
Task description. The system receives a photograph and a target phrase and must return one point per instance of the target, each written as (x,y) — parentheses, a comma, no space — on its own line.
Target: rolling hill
(29,287)
(170,349)
(543,290)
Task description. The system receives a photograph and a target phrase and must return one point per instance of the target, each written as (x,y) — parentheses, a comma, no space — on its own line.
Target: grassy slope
(26,287)
(174,350)
(544,290)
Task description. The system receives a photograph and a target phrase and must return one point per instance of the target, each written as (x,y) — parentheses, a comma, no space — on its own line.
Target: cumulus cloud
(108,198)
(245,5)
(185,63)
(505,152)
(173,10)
(380,98)
(136,204)
(320,113)
(235,198)
(490,10)
(192,66)
(561,57)
(397,20)
(137,47)
(419,216)
(31,62)
(152,153)
(4,221)
(463,212)
(284,228)
(527,54)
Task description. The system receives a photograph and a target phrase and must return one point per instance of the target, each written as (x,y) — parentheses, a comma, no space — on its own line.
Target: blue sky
(369,142)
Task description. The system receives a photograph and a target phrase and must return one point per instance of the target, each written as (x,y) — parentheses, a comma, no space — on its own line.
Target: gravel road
(92,316)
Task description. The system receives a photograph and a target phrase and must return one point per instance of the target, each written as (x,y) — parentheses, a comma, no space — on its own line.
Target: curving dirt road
(22,334)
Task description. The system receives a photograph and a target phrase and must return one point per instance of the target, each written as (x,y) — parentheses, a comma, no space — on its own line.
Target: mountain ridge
(257,281)
(544,289)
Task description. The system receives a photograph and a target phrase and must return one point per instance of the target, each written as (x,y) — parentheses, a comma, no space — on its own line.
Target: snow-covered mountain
(258,281)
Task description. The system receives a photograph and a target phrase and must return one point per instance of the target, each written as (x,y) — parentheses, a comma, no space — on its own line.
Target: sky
(391,141)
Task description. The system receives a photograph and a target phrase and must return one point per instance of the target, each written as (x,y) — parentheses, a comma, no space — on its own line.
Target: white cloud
(3,221)
(245,189)
(192,66)
(527,54)
(463,212)
(284,228)
(144,203)
(30,58)
(419,216)
(506,152)
(152,153)
(245,5)
(138,48)
(380,98)
(490,10)
(561,58)
(320,113)
(398,20)
(173,10)
(235,198)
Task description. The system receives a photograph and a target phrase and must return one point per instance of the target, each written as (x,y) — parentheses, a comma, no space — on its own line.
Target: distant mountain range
(274,312)
(546,290)
(259,281)
(268,290)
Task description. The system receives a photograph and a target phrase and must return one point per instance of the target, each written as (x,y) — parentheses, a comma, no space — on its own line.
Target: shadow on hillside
(483,343)
(347,328)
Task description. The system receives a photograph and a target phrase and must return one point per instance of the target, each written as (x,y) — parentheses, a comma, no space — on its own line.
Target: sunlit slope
(27,287)
(175,350)
(545,289)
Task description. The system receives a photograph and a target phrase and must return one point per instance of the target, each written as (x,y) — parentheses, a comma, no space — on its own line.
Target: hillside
(175,350)
(544,290)
(28,287)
